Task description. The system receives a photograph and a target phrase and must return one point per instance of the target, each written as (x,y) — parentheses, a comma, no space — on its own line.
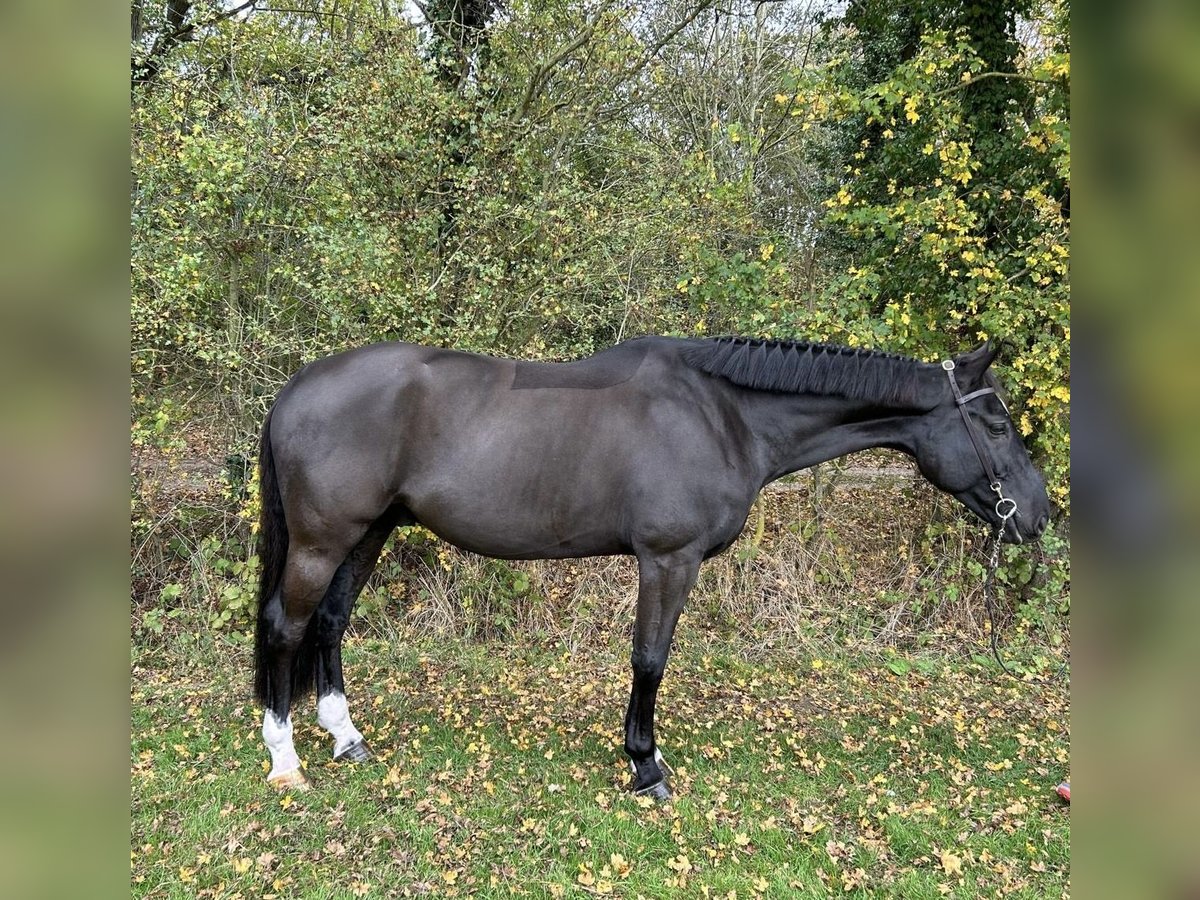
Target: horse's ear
(974,363)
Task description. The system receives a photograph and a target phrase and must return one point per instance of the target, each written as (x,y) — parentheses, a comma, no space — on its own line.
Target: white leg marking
(334,715)
(663,765)
(658,758)
(278,737)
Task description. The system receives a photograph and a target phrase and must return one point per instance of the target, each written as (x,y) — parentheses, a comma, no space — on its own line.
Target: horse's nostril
(1041,524)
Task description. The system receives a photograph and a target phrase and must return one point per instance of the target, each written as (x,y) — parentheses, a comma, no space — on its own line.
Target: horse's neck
(798,431)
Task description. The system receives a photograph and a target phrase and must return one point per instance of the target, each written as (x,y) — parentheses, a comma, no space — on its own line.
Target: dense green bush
(551,181)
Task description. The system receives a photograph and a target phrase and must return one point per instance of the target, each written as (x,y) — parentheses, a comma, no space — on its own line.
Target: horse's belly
(527,534)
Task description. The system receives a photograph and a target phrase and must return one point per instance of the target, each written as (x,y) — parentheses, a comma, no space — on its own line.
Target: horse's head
(968,446)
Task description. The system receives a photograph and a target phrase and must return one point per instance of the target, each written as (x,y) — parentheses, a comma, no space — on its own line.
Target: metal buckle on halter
(960,398)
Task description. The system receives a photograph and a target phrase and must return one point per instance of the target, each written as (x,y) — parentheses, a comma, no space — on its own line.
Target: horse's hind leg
(333,615)
(290,650)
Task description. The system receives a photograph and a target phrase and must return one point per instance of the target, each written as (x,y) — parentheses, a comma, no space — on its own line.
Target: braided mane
(804,367)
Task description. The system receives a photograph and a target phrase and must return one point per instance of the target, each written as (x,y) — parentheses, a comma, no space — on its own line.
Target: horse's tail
(272,555)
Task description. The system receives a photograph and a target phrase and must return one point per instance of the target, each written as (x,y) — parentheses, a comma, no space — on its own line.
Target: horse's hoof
(657,791)
(291,780)
(356,752)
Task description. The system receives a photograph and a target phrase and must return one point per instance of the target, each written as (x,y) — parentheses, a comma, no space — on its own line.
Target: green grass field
(499,772)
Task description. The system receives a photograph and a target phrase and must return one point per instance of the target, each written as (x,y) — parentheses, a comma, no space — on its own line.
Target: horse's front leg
(664,582)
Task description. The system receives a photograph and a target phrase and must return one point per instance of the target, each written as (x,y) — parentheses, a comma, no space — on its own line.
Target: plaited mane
(810,368)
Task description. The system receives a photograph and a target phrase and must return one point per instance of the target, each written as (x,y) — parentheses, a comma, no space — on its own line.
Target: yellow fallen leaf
(951,863)
(680,863)
(811,826)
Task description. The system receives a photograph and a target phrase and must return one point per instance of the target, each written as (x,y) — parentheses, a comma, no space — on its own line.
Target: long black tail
(272,555)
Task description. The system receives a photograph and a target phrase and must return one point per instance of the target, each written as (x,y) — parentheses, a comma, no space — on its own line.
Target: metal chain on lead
(989,599)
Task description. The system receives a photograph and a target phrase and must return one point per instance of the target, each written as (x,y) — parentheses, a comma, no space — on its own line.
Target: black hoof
(658,791)
(356,752)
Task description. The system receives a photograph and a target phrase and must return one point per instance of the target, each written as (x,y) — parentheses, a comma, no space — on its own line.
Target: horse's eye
(998,428)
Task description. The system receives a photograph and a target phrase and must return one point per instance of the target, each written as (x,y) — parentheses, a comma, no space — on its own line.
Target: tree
(951,216)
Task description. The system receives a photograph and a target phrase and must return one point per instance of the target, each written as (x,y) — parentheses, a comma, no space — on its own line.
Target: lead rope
(1006,508)
(989,603)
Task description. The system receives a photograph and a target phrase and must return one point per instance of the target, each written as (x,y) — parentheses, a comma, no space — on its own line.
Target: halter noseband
(1006,507)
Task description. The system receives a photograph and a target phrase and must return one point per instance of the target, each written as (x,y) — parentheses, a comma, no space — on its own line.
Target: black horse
(654,448)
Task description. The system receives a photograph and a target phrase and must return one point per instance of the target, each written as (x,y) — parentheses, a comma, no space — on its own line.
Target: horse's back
(606,369)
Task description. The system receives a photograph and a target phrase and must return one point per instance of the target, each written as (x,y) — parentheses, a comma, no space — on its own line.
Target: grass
(500,773)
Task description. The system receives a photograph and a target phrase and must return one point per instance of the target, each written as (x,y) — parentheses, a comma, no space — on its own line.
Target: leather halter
(1006,507)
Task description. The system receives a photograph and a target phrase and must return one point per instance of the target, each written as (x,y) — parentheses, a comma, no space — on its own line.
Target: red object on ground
(1064,791)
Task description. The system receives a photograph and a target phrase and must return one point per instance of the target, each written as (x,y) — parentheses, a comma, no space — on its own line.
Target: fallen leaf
(951,863)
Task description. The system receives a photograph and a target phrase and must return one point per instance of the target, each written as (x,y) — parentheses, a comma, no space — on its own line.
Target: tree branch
(437,25)
(665,39)
(180,32)
(645,59)
(986,75)
(547,67)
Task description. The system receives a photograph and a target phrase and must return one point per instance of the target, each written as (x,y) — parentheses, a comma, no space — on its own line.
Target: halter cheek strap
(1006,507)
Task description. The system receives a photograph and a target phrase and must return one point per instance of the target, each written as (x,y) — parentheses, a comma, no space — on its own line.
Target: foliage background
(542,179)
